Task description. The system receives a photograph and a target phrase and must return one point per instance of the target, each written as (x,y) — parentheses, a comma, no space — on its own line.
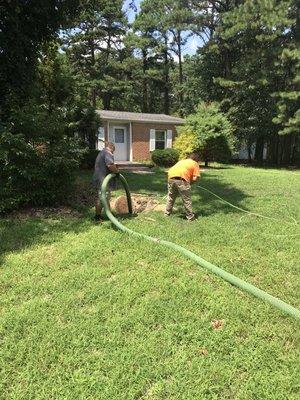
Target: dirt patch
(85,194)
(139,204)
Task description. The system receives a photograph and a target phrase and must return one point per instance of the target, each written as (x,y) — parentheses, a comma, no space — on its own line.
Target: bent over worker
(180,177)
(104,165)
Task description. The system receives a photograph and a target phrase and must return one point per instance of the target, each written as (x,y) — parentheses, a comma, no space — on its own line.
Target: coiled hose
(281,305)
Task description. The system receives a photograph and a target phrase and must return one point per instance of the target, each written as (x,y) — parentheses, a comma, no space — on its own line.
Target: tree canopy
(88,55)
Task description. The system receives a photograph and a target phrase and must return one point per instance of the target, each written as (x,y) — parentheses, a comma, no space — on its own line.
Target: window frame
(161,141)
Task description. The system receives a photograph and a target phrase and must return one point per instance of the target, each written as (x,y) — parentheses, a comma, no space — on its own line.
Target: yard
(88,312)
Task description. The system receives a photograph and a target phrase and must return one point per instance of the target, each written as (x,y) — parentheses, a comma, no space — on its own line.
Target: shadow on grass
(204,203)
(19,233)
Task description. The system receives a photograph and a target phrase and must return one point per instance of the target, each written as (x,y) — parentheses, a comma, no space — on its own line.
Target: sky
(192,44)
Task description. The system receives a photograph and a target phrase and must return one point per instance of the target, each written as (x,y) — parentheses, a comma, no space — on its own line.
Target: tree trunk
(249,148)
(287,149)
(273,149)
(180,75)
(106,101)
(259,149)
(166,76)
(93,90)
(145,108)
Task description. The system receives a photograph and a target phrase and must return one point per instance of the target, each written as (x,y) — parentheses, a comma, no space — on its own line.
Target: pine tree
(245,75)
(95,48)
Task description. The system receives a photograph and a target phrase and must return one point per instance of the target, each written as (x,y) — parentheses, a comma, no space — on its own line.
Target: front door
(120,141)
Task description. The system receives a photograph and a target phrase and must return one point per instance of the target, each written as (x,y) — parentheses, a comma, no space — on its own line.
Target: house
(136,135)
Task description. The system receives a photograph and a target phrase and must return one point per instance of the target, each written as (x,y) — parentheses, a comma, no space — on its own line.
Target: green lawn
(87,312)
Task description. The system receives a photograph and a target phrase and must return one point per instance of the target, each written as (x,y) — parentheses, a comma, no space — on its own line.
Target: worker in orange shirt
(180,177)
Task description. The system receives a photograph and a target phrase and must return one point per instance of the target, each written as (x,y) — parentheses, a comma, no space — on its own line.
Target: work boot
(190,219)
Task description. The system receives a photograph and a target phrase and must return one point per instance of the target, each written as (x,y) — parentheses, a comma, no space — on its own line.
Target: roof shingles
(139,117)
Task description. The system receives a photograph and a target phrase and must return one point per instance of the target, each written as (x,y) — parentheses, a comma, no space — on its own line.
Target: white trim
(169,139)
(101,138)
(108,133)
(152,140)
(130,142)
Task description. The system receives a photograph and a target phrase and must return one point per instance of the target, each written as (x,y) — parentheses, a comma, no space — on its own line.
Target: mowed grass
(88,312)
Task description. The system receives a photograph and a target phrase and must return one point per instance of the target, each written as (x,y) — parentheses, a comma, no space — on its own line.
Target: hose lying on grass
(286,308)
(246,211)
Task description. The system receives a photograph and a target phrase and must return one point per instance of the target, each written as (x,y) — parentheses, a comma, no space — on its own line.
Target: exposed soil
(139,204)
(85,196)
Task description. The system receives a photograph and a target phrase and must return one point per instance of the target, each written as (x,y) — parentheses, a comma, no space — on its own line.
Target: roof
(139,117)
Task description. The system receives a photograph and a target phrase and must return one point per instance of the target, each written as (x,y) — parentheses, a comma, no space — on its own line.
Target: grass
(88,312)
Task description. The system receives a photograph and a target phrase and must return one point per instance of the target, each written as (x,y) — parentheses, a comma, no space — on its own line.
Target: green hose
(245,211)
(286,308)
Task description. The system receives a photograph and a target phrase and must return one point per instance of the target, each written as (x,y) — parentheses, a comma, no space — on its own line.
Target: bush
(36,175)
(165,158)
(185,142)
(88,159)
(208,132)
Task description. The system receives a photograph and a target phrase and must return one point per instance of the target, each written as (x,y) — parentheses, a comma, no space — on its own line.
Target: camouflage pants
(178,187)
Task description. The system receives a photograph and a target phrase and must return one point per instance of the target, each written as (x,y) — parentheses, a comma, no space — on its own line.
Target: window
(119,135)
(160,139)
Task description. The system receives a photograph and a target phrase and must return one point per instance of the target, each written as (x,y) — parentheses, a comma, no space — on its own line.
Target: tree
(208,132)
(152,40)
(22,32)
(95,48)
(47,112)
(289,65)
(169,22)
(246,76)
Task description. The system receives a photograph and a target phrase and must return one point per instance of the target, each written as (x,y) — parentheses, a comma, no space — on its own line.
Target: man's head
(194,156)
(110,146)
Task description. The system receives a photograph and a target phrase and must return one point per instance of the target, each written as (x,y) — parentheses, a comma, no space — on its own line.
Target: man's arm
(113,168)
(196,173)
(110,163)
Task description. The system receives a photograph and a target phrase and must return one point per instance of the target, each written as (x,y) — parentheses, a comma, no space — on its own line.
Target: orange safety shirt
(187,169)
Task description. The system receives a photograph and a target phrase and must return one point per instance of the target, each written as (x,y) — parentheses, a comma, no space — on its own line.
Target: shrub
(208,132)
(185,142)
(165,158)
(42,175)
(88,159)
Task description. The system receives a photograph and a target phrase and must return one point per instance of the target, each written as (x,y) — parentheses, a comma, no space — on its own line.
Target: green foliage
(208,132)
(88,159)
(165,157)
(169,24)
(94,46)
(85,125)
(39,174)
(23,31)
(288,116)
(247,70)
(185,141)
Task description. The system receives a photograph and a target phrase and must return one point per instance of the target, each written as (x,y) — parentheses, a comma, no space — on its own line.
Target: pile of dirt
(139,204)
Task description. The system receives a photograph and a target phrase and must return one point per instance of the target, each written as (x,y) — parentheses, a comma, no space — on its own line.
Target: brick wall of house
(141,139)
